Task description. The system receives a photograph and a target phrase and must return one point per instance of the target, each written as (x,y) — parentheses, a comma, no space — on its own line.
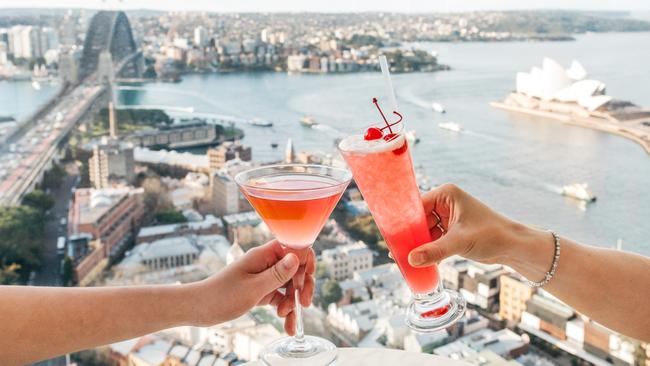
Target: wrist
(529,250)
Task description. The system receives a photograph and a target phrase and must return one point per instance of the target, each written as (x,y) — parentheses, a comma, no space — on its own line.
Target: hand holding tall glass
(295,201)
(383,170)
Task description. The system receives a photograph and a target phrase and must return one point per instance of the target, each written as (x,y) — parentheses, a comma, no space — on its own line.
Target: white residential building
(341,262)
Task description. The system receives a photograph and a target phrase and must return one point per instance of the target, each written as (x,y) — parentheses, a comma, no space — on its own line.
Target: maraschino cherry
(375,133)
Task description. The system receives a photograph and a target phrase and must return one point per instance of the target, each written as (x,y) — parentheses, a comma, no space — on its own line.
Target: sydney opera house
(552,91)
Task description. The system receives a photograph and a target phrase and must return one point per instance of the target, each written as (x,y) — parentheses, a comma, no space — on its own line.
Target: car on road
(63,221)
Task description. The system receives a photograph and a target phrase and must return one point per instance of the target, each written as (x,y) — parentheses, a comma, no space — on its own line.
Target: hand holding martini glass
(295,200)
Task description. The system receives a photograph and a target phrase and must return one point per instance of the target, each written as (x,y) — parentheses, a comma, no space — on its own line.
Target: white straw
(383,63)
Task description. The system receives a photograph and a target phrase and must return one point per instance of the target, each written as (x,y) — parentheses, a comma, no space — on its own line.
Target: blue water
(515,164)
(19,99)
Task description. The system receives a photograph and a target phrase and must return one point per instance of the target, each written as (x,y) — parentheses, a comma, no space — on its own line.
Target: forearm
(42,322)
(604,284)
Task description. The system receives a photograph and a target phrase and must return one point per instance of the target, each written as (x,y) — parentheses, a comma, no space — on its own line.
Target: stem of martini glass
(300,330)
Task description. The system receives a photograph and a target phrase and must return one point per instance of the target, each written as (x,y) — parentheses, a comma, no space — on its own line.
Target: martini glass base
(288,351)
(431,312)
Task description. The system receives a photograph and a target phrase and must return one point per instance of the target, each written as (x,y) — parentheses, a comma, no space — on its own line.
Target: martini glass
(295,200)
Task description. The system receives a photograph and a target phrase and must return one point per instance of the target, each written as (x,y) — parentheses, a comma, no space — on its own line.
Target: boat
(308,121)
(274,145)
(260,123)
(579,191)
(451,126)
(438,107)
(36,85)
(411,137)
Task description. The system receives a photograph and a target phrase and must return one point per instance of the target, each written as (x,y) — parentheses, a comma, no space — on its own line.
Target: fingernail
(289,261)
(418,258)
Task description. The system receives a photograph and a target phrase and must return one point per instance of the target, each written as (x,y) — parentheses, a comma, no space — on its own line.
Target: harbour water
(514,163)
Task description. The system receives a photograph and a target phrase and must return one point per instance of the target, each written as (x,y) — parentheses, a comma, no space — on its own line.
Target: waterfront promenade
(635,129)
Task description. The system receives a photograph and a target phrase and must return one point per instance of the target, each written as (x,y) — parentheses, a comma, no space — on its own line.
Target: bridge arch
(109,32)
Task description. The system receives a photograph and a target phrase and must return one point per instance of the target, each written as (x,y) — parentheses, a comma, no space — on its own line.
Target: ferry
(579,191)
(308,121)
(438,107)
(260,123)
(451,126)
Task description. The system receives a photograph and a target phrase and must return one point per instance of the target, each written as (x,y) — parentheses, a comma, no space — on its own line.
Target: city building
(228,150)
(452,271)
(425,342)
(246,227)
(504,342)
(548,315)
(342,261)
(470,322)
(200,36)
(174,252)
(353,291)
(225,194)
(108,214)
(481,285)
(185,135)
(514,294)
(355,320)
(112,162)
(209,226)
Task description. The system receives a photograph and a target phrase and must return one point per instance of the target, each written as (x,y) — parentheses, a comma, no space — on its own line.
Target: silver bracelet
(556,259)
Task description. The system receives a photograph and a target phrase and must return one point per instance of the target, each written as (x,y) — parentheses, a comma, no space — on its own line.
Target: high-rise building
(111,161)
(200,36)
(225,194)
(513,297)
(228,151)
(68,67)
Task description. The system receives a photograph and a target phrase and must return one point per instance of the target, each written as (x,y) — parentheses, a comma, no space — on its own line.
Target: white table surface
(383,356)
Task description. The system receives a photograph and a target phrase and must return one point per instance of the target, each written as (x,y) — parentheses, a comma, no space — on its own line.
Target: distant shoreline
(609,127)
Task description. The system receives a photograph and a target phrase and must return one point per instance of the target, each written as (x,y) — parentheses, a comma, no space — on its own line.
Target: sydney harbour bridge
(109,52)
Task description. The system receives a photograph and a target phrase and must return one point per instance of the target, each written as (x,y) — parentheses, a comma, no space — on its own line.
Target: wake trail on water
(327,129)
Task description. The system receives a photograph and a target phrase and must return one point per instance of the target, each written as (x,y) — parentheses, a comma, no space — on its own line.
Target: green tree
(331,292)
(21,238)
(54,176)
(39,200)
(68,273)
(170,217)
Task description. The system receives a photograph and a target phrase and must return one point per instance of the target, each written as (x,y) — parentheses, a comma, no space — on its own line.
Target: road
(49,273)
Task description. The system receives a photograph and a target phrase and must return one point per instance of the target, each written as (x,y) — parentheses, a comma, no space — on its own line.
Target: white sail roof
(553,82)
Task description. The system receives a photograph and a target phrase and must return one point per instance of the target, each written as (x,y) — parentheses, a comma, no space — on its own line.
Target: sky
(335,5)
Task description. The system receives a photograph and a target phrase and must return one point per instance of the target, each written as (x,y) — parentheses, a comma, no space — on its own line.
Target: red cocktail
(383,170)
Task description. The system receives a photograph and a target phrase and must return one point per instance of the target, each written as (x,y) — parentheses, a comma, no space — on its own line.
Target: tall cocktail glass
(295,201)
(383,171)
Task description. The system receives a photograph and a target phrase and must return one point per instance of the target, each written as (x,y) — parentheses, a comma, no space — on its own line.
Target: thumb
(280,273)
(431,253)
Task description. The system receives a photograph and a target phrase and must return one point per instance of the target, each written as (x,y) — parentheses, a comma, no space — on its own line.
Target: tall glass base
(290,351)
(438,310)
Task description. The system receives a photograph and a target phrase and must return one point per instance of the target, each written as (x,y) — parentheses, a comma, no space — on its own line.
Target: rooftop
(207,222)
